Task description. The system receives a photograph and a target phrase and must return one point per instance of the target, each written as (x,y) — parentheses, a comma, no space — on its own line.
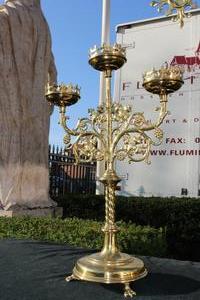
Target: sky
(75,27)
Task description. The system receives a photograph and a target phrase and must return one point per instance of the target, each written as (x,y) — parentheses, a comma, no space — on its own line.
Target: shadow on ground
(160,285)
(37,270)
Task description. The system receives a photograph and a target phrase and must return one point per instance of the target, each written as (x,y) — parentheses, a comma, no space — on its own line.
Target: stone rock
(26,65)
(36,212)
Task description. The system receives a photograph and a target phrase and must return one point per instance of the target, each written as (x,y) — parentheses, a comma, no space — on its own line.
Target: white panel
(175,164)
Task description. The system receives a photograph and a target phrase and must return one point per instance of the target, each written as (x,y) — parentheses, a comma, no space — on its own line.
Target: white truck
(175,165)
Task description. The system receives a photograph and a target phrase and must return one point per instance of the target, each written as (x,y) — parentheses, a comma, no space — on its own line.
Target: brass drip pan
(107,57)
(166,80)
(63,95)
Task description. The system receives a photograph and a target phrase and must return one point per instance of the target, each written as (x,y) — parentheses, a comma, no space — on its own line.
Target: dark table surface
(32,270)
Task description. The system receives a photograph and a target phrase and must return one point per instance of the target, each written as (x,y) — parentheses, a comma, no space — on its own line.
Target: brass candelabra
(115,132)
(123,134)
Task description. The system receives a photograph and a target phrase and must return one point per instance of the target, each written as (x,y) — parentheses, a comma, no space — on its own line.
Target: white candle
(105,37)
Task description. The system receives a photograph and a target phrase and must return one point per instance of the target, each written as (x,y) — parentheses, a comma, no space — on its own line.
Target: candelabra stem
(110,204)
(109,158)
(110,180)
(163,97)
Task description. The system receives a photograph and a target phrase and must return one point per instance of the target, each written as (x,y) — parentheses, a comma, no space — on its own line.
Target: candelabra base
(109,268)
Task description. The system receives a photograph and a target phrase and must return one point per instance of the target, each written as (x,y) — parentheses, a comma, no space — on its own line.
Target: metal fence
(67,177)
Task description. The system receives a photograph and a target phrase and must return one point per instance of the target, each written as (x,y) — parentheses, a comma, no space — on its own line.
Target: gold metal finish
(62,95)
(123,135)
(70,278)
(163,81)
(107,57)
(118,268)
(179,6)
(128,292)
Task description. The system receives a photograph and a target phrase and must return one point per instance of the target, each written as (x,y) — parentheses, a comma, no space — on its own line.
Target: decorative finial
(179,6)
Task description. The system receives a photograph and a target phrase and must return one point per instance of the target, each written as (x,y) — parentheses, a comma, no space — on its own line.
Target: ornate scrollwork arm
(162,82)
(85,149)
(131,132)
(86,127)
(82,125)
(136,148)
(163,112)
(135,143)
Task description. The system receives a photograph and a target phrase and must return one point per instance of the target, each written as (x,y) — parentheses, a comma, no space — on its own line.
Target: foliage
(84,233)
(180,217)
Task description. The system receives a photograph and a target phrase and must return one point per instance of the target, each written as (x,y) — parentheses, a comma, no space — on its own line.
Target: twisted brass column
(110,247)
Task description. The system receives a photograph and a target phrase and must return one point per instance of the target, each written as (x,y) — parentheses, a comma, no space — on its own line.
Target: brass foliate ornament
(179,6)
